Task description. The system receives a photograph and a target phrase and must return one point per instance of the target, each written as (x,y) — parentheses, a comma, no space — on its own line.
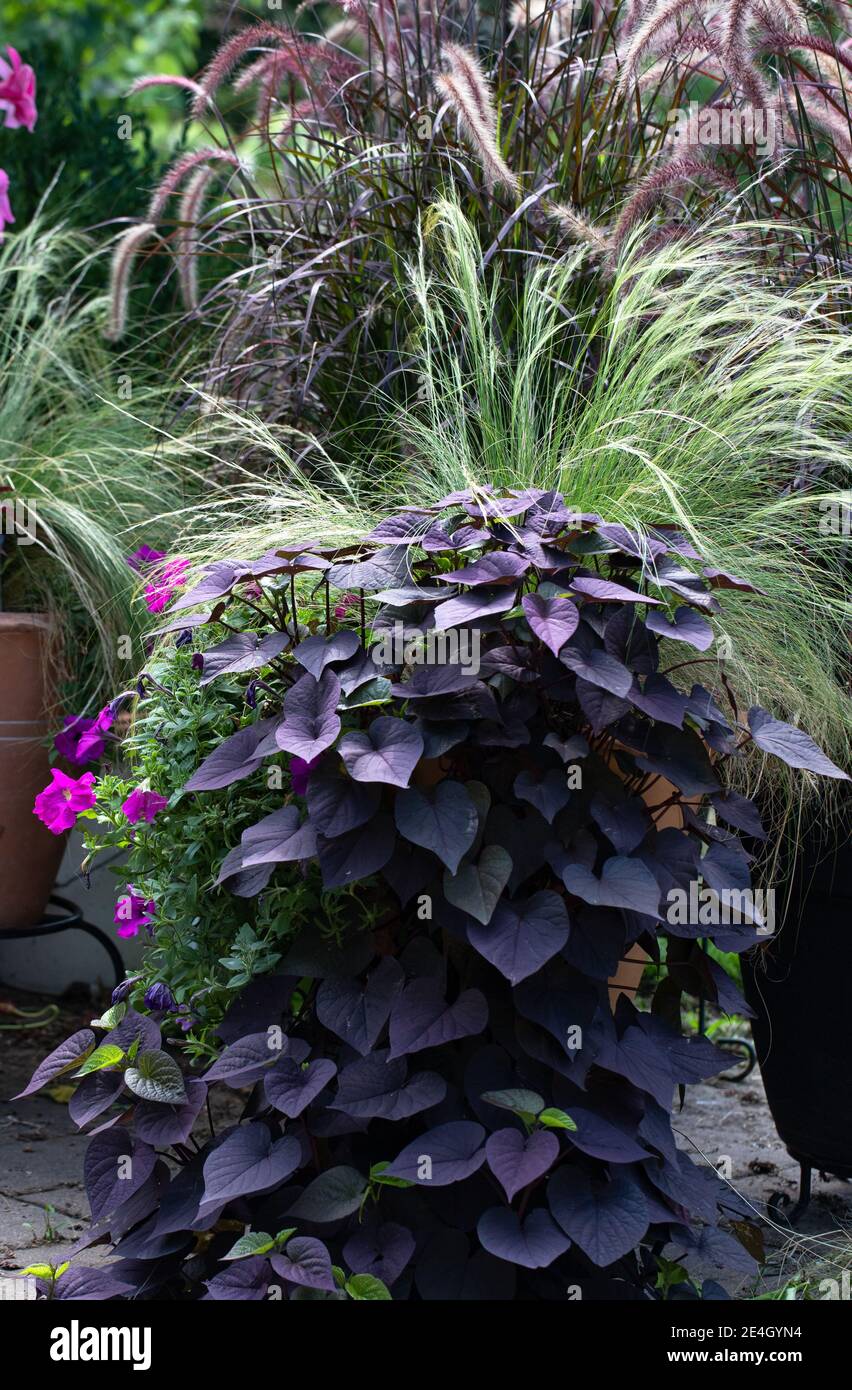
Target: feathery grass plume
(127,247)
(691,396)
(466,89)
(810,43)
(186,251)
(654,186)
(94,467)
(739,50)
(835,124)
(579,228)
(465,68)
(226,58)
(175,176)
(688,399)
(166,79)
(653,24)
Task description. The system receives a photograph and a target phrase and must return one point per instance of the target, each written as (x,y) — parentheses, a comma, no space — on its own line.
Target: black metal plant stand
(68,918)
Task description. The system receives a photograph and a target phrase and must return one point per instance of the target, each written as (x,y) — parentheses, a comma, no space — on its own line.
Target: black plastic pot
(800,986)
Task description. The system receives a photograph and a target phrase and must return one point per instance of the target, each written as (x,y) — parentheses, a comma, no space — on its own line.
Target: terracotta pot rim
(25,622)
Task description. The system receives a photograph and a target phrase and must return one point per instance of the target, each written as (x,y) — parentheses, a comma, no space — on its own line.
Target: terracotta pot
(29,854)
(629,973)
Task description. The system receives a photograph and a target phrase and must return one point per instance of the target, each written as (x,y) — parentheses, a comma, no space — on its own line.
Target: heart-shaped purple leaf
(290,1088)
(67,1055)
(163,1125)
(523,935)
(388,750)
(336,1193)
(315,653)
(115,1167)
(624,883)
(357,854)
(790,744)
(535,1244)
(94,1095)
(376,1087)
(310,723)
(246,1060)
(338,805)
(471,607)
(687,626)
(553,620)
(248,1163)
(305,1261)
(422,1018)
(517,1160)
(235,758)
(606,1219)
(606,591)
(244,651)
(382,1251)
(447,1154)
(476,888)
(497,567)
(443,820)
(280,838)
(355,1013)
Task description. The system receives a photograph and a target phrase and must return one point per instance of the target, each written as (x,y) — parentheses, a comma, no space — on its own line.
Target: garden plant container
(801,1024)
(29,854)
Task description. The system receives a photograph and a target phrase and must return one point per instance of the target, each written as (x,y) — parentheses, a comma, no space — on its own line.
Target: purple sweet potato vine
(445,1105)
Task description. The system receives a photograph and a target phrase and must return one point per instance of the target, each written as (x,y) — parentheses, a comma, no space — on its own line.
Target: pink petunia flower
(144,556)
(132,912)
(17,92)
(346,602)
(83,740)
(59,805)
(6,214)
(165,585)
(141,805)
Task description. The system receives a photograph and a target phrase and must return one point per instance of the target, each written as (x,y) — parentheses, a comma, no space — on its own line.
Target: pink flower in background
(300,773)
(17,91)
(346,602)
(63,799)
(165,585)
(143,805)
(83,740)
(6,214)
(144,556)
(132,912)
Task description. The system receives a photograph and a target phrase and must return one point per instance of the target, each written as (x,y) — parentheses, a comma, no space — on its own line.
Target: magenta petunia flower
(133,912)
(141,805)
(143,557)
(165,585)
(59,805)
(83,740)
(6,213)
(346,602)
(300,773)
(17,91)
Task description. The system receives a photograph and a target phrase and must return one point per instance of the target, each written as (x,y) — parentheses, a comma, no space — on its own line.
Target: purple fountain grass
(812,43)
(466,89)
(580,228)
(226,58)
(127,247)
(654,186)
(186,250)
(653,25)
(166,79)
(175,176)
